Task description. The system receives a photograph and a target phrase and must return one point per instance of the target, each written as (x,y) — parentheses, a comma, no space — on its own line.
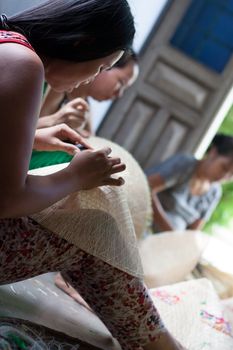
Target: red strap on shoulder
(13,37)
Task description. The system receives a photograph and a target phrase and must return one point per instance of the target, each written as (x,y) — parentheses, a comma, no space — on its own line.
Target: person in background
(65,43)
(72,108)
(185,191)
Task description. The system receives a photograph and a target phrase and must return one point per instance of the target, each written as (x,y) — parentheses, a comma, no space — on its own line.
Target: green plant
(223,214)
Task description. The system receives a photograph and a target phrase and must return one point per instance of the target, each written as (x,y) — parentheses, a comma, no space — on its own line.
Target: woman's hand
(90,169)
(73,114)
(58,138)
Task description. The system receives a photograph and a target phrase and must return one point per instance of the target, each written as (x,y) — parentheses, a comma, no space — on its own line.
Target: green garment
(40,159)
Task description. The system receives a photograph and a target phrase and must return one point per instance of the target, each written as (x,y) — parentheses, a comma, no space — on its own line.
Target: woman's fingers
(79,103)
(114,161)
(84,143)
(74,113)
(65,147)
(104,152)
(113,182)
(69,134)
(117,168)
(114,166)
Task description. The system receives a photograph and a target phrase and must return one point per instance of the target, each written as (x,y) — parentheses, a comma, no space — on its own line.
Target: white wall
(145,14)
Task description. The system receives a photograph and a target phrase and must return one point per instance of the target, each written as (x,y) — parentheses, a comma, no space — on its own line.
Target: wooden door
(174,104)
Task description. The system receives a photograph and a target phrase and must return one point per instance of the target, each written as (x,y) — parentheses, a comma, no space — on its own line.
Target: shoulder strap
(13,37)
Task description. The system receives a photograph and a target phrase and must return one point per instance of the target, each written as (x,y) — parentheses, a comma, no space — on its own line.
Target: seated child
(185,191)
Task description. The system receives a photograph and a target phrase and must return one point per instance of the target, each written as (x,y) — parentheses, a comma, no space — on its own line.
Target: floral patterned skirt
(120,300)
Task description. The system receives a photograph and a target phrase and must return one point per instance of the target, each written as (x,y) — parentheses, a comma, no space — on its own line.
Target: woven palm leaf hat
(106,221)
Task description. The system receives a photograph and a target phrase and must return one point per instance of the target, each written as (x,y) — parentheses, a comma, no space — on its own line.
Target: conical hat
(169,257)
(105,221)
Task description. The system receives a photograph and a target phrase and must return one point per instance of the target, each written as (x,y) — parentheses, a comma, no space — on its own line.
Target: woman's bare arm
(72,114)
(20,96)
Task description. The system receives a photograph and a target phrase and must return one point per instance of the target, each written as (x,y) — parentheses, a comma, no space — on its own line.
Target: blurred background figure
(185,191)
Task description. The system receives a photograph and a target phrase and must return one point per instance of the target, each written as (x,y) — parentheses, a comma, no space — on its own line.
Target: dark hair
(76,30)
(127,57)
(223,145)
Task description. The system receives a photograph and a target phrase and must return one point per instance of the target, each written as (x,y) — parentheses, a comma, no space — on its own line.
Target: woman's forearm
(46,121)
(38,193)
(87,170)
